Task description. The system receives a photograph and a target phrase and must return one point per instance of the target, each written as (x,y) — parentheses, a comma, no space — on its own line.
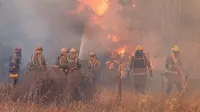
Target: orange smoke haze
(115,34)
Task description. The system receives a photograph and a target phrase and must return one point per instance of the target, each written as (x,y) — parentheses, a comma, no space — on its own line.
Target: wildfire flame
(121,51)
(113,38)
(98,6)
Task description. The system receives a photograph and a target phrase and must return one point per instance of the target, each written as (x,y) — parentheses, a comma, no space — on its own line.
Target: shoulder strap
(40,57)
(32,59)
(76,61)
(60,60)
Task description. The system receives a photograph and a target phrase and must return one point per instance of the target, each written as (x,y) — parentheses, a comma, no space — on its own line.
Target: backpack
(139,62)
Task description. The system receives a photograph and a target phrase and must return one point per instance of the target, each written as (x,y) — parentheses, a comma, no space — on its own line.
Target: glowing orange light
(98,6)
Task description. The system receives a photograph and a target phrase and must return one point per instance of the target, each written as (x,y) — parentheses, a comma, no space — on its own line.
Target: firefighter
(62,61)
(14,65)
(37,61)
(73,60)
(174,68)
(139,67)
(62,53)
(73,76)
(93,66)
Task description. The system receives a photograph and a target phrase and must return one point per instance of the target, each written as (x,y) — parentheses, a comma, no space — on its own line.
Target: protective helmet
(139,48)
(39,49)
(175,48)
(73,50)
(17,49)
(63,50)
(92,54)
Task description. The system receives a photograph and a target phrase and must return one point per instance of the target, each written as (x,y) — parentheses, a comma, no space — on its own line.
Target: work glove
(66,70)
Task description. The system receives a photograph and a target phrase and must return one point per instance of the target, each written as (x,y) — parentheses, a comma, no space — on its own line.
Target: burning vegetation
(119,27)
(113,28)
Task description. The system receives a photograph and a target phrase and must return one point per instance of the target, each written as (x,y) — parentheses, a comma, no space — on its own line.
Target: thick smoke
(157,25)
(31,23)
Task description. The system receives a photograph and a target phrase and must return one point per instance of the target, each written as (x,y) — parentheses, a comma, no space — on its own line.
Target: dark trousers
(140,83)
(14,81)
(74,84)
(94,77)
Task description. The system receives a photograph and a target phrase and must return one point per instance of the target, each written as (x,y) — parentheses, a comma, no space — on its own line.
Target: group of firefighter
(140,66)
(67,61)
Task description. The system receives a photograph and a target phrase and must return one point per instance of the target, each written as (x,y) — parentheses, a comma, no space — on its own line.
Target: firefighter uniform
(62,60)
(173,74)
(37,61)
(14,65)
(73,60)
(139,67)
(93,66)
(74,74)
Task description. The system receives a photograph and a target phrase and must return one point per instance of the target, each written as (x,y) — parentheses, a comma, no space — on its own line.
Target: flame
(98,6)
(113,30)
(113,38)
(121,51)
(110,65)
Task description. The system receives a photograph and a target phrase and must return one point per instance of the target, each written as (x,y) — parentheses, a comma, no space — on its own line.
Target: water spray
(83,53)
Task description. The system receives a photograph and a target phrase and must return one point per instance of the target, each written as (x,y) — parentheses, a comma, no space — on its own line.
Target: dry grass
(25,98)
(105,102)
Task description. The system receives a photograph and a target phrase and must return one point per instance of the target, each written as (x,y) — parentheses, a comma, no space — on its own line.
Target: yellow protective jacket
(37,62)
(172,63)
(63,63)
(93,63)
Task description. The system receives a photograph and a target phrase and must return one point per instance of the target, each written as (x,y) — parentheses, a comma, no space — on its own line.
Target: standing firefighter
(174,70)
(14,65)
(74,74)
(73,60)
(93,67)
(37,61)
(62,60)
(139,67)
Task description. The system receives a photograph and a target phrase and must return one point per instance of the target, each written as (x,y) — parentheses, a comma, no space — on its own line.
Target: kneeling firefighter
(14,65)
(139,67)
(174,68)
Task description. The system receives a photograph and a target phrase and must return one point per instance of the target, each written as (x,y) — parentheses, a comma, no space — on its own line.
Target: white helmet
(73,50)
(63,50)
(92,54)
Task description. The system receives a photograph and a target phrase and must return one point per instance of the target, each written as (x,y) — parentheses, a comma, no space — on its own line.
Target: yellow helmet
(139,48)
(92,54)
(63,50)
(73,50)
(175,48)
(39,49)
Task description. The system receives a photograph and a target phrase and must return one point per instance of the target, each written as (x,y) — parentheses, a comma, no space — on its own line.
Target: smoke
(157,25)
(48,23)
(31,23)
